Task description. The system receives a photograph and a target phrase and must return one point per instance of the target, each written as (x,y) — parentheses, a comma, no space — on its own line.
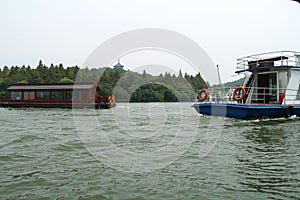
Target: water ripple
(42,157)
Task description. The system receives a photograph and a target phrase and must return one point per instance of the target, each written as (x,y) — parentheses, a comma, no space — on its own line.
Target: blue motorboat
(270,89)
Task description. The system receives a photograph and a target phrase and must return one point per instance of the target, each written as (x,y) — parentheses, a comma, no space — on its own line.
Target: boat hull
(102,105)
(243,111)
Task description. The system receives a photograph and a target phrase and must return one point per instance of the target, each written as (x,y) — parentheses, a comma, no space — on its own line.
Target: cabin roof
(52,86)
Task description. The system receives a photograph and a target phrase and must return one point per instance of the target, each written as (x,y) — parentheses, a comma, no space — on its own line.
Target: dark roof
(118,66)
(55,86)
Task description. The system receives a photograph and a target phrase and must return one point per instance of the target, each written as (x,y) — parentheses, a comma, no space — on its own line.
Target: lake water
(146,151)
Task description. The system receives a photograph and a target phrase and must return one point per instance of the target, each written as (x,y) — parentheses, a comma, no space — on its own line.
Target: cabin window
(28,96)
(69,95)
(57,95)
(42,95)
(73,94)
(76,95)
(16,95)
(273,87)
(298,93)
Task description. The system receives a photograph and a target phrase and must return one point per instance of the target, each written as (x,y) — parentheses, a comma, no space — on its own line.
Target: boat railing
(277,58)
(254,95)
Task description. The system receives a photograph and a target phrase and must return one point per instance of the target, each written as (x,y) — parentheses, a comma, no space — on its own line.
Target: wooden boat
(270,89)
(57,95)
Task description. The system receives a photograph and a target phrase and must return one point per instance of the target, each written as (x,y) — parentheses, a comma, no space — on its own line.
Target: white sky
(58,31)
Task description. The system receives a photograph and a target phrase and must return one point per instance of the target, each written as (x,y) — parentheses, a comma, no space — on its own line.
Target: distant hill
(234,84)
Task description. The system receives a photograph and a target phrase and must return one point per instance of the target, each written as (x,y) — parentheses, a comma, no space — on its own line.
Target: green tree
(66,80)
(35,77)
(5,72)
(180,74)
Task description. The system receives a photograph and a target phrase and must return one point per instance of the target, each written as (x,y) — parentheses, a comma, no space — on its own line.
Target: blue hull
(242,111)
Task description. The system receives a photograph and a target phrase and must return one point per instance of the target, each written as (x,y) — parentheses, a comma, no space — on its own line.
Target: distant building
(118,66)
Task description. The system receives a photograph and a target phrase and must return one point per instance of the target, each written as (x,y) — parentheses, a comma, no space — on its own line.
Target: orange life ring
(202,95)
(237,93)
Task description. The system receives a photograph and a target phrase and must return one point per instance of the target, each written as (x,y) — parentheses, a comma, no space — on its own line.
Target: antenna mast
(219,75)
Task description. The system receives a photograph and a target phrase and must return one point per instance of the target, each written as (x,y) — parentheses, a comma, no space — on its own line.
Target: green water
(44,155)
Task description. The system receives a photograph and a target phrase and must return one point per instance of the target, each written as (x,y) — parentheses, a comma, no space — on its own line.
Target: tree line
(126,86)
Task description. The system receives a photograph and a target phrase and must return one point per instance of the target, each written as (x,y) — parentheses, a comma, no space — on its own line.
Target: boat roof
(267,61)
(53,86)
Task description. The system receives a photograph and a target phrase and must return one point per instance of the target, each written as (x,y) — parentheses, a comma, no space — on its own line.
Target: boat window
(42,95)
(16,95)
(298,93)
(28,96)
(76,95)
(69,95)
(273,83)
(282,76)
(57,95)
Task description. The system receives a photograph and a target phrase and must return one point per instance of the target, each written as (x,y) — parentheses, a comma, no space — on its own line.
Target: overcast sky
(66,32)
